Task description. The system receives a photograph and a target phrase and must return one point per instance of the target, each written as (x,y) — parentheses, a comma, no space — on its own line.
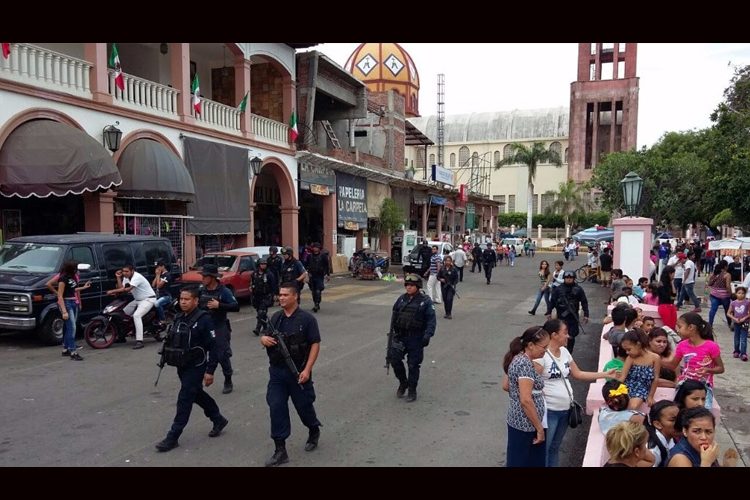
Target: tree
(723,218)
(391,217)
(569,201)
(531,157)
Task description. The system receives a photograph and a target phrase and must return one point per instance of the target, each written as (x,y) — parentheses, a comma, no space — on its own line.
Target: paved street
(106,410)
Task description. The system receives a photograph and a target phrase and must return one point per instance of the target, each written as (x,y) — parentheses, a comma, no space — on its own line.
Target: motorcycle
(366,260)
(103,330)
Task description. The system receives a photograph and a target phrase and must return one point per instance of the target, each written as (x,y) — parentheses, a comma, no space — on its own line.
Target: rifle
(570,310)
(161,363)
(390,346)
(276,334)
(453,287)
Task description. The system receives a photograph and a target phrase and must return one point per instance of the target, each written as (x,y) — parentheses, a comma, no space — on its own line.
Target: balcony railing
(144,95)
(269,130)
(41,67)
(218,115)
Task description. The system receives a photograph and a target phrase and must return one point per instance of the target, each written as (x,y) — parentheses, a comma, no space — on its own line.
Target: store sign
(351,226)
(351,198)
(443,175)
(312,174)
(319,189)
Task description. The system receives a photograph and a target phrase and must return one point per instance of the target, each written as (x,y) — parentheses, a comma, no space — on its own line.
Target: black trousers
(317,285)
(488,272)
(476,263)
(414,352)
(261,305)
(460,273)
(191,391)
(283,385)
(448,294)
(224,350)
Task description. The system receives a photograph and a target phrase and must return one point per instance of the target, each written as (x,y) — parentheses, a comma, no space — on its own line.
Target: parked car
(28,262)
(415,262)
(235,266)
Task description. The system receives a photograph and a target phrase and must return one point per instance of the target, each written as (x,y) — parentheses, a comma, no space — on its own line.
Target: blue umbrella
(595,234)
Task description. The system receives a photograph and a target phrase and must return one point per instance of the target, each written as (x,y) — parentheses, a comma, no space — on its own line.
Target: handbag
(575,412)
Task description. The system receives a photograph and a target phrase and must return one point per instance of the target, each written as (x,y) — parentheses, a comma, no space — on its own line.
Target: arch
(566,156)
(475,159)
(144,134)
(557,148)
(28,115)
(463,156)
(496,158)
(289,207)
(507,151)
(453,160)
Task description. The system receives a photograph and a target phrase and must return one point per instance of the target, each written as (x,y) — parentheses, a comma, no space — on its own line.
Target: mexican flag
(293,133)
(243,103)
(114,61)
(6,50)
(195,88)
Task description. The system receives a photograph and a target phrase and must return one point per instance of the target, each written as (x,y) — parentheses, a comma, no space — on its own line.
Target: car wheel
(51,330)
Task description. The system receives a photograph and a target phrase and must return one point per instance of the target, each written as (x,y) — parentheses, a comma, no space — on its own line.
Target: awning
(44,157)
(150,170)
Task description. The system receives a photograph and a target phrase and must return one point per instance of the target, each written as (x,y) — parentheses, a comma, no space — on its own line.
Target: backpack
(177,350)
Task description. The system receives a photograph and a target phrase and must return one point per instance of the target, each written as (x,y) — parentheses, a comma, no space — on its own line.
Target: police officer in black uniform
(476,256)
(567,299)
(425,256)
(218,300)
(198,371)
(302,337)
(275,262)
(292,271)
(319,267)
(489,260)
(412,325)
(265,288)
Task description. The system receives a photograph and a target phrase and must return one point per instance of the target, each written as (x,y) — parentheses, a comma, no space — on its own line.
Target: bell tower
(603,105)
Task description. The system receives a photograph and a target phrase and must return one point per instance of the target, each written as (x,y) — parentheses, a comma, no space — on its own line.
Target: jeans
(541,293)
(69,328)
(740,339)
(159,305)
(715,303)
(557,425)
(678,288)
(687,292)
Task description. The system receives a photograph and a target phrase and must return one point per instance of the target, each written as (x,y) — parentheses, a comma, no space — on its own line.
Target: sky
(680,84)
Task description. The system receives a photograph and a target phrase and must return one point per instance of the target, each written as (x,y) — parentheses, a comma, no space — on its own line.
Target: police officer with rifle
(190,346)
(292,271)
(319,266)
(265,288)
(412,326)
(567,299)
(292,349)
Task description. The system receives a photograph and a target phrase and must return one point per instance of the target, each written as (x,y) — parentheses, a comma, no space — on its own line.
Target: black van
(28,262)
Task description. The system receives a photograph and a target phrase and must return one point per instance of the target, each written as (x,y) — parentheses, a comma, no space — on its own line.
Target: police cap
(569,274)
(289,251)
(262,260)
(273,249)
(413,279)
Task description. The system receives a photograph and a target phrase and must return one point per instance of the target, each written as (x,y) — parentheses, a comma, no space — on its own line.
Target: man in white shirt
(128,280)
(678,262)
(459,260)
(688,283)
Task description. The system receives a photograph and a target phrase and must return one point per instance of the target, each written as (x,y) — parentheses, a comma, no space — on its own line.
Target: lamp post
(256,165)
(112,136)
(631,192)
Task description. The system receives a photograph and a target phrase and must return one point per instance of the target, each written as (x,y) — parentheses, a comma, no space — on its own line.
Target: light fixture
(256,165)
(164,48)
(112,136)
(631,192)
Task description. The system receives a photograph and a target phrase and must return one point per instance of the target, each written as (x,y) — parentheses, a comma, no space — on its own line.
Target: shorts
(606,275)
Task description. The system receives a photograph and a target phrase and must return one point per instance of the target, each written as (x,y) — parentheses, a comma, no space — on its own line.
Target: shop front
(317,195)
(376,193)
(351,203)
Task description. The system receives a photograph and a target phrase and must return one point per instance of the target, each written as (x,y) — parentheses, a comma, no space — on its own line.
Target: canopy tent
(732,246)
(595,234)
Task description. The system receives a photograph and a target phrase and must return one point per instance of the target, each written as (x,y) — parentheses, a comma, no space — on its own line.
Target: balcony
(144,95)
(40,67)
(271,131)
(218,116)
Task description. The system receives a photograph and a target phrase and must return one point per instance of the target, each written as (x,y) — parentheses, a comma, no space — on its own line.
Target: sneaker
(735,354)
(75,356)
(65,353)
(218,427)
(138,345)
(743,357)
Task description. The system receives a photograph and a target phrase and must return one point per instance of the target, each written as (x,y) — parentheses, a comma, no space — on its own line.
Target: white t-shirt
(679,270)
(556,396)
(656,451)
(141,287)
(689,272)
(459,257)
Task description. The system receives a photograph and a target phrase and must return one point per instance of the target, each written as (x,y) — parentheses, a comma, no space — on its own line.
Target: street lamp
(631,192)
(256,165)
(112,136)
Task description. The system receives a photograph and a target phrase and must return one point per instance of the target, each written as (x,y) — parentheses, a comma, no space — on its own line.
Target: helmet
(289,251)
(413,279)
(262,260)
(569,274)
(273,249)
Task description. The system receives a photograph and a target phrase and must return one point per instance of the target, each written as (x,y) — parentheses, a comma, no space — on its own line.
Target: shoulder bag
(575,413)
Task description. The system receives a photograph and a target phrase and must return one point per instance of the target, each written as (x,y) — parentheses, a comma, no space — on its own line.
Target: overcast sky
(680,84)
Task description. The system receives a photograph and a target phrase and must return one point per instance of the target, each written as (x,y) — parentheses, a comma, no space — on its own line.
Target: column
(425,214)
(96,54)
(290,99)
(290,227)
(633,245)
(329,222)
(99,210)
(189,255)
(179,54)
(439,224)
(242,86)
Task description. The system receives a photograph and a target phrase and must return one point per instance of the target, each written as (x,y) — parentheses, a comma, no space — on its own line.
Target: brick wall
(266,91)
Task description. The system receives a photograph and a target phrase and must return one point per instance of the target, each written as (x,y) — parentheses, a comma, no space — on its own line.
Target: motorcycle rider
(265,288)
(567,299)
(319,266)
(292,271)
(144,298)
(218,300)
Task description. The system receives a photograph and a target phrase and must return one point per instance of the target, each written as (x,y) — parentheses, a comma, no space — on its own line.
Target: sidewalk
(731,389)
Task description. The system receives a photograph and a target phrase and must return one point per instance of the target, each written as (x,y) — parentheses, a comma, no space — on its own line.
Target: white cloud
(680,84)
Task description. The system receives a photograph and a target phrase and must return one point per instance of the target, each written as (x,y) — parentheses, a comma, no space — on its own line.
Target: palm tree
(569,201)
(530,157)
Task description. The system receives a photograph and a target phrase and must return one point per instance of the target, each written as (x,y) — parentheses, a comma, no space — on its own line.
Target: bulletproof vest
(260,283)
(180,348)
(275,263)
(408,321)
(298,347)
(289,270)
(218,315)
(426,254)
(569,295)
(316,264)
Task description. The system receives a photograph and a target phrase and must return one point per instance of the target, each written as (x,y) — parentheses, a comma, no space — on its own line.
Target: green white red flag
(195,88)
(243,103)
(293,132)
(114,61)
(6,50)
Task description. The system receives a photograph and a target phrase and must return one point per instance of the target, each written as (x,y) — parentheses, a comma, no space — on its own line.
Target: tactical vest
(408,321)
(180,349)
(289,271)
(218,315)
(260,284)
(316,265)
(298,348)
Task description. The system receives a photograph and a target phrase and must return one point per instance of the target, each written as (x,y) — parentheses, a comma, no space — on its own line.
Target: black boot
(279,456)
(228,387)
(316,307)
(312,438)
(401,388)
(219,425)
(166,444)
(412,395)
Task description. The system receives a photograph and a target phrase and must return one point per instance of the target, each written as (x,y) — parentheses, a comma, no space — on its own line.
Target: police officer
(265,288)
(448,278)
(412,325)
(218,300)
(198,371)
(292,271)
(476,255)
(567,299)
(302,337)
(275,262)
(319,266)
(489,260)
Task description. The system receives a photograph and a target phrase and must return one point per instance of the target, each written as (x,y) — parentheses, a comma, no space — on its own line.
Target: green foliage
(513,218)
(569,202)
(725,217)
(391,217)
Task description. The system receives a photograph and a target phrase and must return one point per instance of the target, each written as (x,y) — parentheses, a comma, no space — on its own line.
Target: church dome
(387,66)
